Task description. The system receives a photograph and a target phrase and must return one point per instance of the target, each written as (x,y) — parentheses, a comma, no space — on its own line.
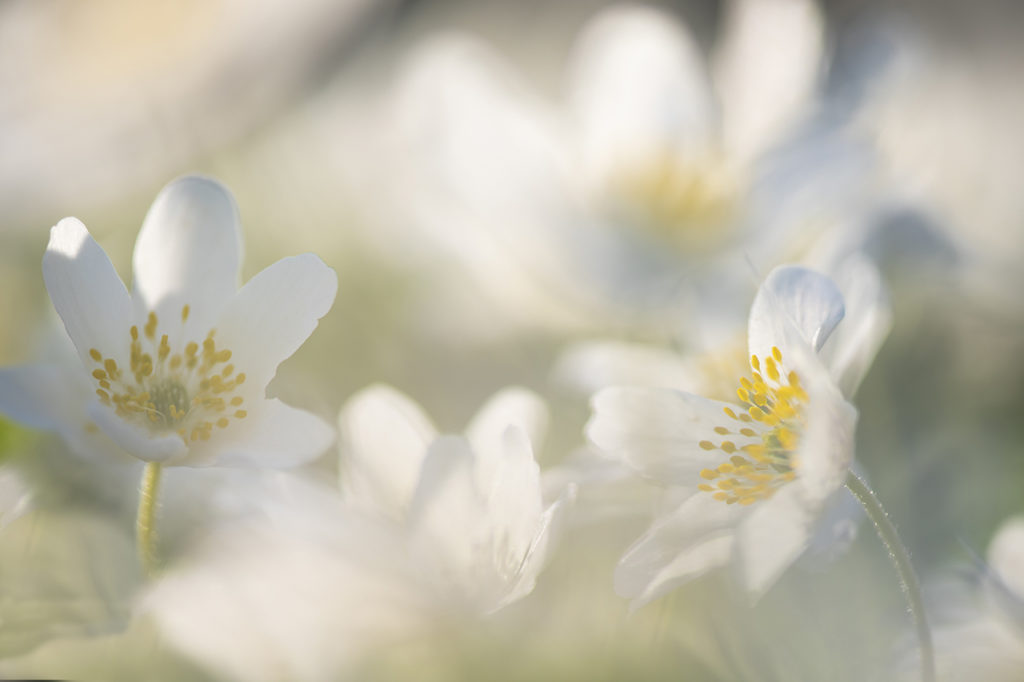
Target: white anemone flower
(980,634)
(759,471)
(645,179)
(478,528)
(178,367)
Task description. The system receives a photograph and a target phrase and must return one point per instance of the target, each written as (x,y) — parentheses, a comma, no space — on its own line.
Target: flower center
(189,392)
(764,437)
(687,205)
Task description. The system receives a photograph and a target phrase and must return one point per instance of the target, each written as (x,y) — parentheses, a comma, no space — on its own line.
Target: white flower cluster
(691,232)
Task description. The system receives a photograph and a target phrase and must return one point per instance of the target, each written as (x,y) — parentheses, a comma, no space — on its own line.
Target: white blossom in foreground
(178,368)
(645,182)
(979,633)
(478,530)
(759,471)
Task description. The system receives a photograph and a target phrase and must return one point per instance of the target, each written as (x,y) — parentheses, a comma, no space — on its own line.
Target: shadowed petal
(188,251)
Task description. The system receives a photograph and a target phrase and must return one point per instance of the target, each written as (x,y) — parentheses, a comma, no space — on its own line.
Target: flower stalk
(145,524)
(901,561)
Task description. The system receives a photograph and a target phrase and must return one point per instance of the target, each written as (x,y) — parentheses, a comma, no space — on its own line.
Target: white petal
(1006,555)
(384,438)
(188,251)
(449,522)
(274,313)
(86,291)
(15,496)
(134,439)
(513,500)
(470,126)
(827,445)
(639,90)
(694,538)
(272,434)
(487,431)
(794,306)
(853,346)
(658,431)
(537,555)
(772,536)
(766,67)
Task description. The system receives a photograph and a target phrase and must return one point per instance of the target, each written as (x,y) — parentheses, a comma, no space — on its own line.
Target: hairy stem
(145,523)
(901,560)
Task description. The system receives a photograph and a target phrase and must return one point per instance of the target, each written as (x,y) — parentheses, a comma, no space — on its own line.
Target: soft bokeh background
(287,104)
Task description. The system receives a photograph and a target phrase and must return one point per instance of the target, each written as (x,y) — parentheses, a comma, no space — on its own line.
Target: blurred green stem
(901,560)
(145,523)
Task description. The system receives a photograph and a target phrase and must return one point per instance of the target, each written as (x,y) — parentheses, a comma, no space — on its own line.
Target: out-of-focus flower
(759,472)
(179,367)
(644,189)
(15,497)
(299,590)
(478,528)
(980,633)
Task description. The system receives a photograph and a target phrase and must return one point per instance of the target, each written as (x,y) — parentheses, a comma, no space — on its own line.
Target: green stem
(901,560)
(145,523)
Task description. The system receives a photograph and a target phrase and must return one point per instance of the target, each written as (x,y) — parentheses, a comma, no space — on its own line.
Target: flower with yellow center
(177,369)
(760,468)
(655,169)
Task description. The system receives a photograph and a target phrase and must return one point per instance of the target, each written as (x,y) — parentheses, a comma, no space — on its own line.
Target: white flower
(478,530)
(980,633)
(644,177)
(759,471)
(178,368)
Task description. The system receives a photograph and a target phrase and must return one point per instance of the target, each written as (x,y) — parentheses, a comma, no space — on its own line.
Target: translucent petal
(274,313)
(686,543)
(189,251)
(384,438)
(86,291)
(659,431)
(487,432)
(135,439)
(772,536)
(766,67)
(639,90)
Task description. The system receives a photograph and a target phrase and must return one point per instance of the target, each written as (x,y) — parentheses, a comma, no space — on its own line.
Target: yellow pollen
(168,391)
(775,414)
(184,312)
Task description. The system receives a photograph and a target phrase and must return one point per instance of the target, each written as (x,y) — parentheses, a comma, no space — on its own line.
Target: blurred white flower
(178,369)
(759,472)
(979,632)
(643,186)
(478,529)
(297,588)
(15,496)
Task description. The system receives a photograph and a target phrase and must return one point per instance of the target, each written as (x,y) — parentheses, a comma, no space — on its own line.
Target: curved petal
(767,65)
(639,90)
(513,499)
(537,555)
(658,431)
(86,291)
(134,439)
(772,536)
(487,432)
(689,541)
(275,435)
(274,313)
(450,526)
(855,343)
(794,305)
(827,445)
(189,251)
(384,438)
